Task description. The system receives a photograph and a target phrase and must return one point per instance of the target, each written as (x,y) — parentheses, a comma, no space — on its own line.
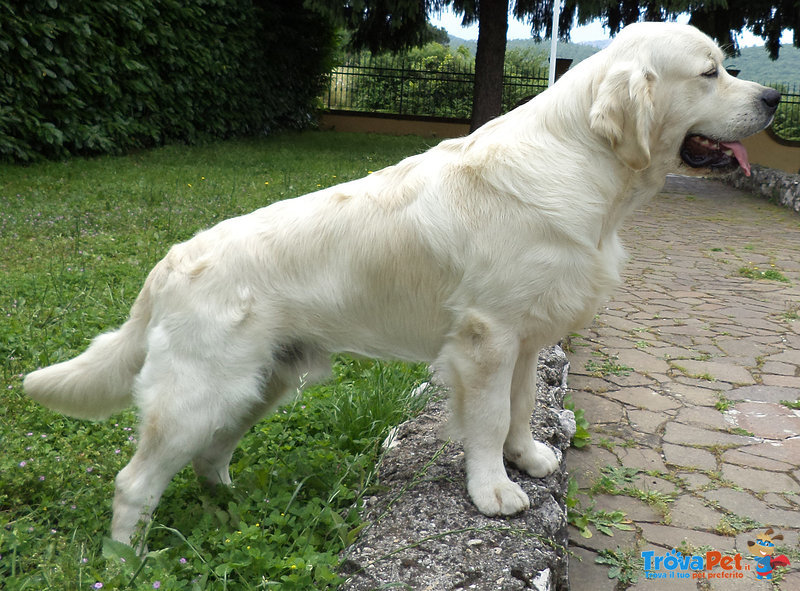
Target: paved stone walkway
(681,377)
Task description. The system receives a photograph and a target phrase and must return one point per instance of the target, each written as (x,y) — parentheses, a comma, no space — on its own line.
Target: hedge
(88,77)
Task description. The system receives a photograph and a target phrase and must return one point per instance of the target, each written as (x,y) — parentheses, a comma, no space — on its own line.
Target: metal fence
(439,88)
(433,89)
(787,119)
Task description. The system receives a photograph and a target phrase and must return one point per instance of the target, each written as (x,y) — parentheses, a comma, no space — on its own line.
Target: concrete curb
(778,186)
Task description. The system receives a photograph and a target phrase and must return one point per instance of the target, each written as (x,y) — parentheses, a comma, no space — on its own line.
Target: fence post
(402,83)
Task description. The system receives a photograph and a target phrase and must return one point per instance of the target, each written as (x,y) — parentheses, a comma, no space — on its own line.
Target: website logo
(714,564)
(677,565)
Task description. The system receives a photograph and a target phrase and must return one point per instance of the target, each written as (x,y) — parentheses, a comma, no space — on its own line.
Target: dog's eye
(712,73)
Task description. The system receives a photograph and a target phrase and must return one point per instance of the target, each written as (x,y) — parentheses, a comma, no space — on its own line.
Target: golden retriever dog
(471,256)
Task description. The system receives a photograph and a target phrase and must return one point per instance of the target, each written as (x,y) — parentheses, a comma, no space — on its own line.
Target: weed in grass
(792,313)
(606,444)
(740,431)
(582,437)
(707,377)
(624,565)
(608,366)
(603,521)
(723,404)
(614,479)
(618,480)
(657,500)
(78,239)
(768,274)
(733,525)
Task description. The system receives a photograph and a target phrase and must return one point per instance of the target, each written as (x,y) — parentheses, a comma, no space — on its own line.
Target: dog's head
(764,544)
(662,93)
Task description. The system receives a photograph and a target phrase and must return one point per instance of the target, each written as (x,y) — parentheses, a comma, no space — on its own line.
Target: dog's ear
(622,112)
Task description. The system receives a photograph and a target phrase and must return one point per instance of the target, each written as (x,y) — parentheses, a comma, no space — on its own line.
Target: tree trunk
(487,97)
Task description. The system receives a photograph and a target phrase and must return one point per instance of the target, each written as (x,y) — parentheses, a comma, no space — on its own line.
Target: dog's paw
(503,497)
(538,460)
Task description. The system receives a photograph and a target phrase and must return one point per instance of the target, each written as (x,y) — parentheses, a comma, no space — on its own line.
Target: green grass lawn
(77,240)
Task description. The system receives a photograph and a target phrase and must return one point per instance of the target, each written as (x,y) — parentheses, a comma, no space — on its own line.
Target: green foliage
(723,404)
(426,81)
(615,479)
(377,25)
(107,77)
(608,366)
(79,238)
(582,437)
(752,272)
(624,565)
(603,521)
(787,119)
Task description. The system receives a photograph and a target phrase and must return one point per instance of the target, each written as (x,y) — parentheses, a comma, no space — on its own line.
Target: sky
(591,32)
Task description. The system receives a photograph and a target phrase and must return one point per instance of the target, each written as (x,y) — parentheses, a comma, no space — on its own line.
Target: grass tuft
(767,274)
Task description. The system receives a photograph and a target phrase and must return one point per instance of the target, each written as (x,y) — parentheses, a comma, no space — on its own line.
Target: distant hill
(576,52)
(753,62)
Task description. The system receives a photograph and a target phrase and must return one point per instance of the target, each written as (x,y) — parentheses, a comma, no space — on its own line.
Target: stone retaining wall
(776,185)
(424,532)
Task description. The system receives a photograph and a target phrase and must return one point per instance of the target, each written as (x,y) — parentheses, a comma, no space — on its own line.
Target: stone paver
(712,456)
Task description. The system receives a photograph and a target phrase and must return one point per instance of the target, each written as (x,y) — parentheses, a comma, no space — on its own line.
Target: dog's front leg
(479,361)
(520,448)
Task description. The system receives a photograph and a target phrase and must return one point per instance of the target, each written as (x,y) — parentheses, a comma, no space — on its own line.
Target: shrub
(105,77)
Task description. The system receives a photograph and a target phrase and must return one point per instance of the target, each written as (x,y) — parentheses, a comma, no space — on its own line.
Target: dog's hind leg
(291,367)
(478,364)
(520,448)
(212,463)
(183,405)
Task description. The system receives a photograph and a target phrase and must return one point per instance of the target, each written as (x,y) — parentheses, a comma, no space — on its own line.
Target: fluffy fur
(471,256)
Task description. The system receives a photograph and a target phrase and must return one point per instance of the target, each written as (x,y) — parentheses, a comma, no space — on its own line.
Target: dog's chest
(563,293)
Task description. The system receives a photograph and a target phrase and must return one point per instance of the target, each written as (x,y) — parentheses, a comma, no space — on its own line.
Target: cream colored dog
(472,256)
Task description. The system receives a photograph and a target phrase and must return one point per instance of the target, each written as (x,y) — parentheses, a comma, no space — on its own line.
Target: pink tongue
(740,153)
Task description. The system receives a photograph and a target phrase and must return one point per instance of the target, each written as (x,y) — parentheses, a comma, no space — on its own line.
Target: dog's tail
(98,382)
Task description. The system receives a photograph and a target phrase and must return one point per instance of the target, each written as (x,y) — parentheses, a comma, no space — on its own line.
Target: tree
(721,19)
(381,25)
(487,92)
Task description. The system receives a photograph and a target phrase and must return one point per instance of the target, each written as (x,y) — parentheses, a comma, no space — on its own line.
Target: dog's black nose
(771,98)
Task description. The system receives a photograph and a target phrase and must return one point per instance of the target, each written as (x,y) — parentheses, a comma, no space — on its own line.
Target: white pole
(554,41)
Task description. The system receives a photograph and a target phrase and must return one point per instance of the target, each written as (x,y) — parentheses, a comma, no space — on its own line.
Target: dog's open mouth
(701,152)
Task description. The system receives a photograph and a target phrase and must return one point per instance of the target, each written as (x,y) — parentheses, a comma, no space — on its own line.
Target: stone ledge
(425,533)
(778,186)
